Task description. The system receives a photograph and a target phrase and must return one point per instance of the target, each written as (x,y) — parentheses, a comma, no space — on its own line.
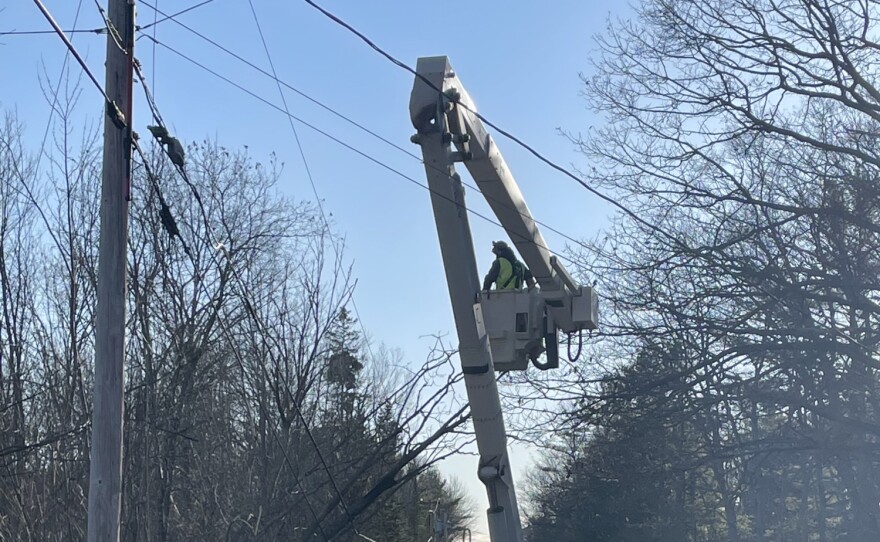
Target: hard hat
(498,245)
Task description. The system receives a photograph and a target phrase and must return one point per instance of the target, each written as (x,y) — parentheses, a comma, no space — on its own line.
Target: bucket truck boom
(495,332)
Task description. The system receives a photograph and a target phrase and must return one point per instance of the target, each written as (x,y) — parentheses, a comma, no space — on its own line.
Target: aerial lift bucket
(516,325)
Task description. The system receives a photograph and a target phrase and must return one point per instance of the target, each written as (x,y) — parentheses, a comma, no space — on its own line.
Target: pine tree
(343,363)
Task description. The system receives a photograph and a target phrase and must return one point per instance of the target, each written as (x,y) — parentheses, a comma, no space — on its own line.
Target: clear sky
(520,61)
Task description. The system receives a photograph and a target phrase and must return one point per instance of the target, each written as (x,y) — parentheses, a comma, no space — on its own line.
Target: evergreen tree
(344,363)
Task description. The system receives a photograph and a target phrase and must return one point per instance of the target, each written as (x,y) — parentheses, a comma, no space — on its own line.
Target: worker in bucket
(507,273)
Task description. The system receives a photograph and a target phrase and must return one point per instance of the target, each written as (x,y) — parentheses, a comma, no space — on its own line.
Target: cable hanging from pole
(165,215)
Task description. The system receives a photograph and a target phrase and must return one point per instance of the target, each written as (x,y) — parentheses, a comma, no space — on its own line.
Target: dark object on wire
(173,147)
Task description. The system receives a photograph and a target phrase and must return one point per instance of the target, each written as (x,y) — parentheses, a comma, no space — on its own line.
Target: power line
(336,248)
(118,116)
(305,424)
(166,17)
(343,143)
(355,123)
(74,30)
(112,31)
(326,225)
(102,30)
(505,133)
(153,56)
(151,102)
(287,112)
(165,215)
(302,154)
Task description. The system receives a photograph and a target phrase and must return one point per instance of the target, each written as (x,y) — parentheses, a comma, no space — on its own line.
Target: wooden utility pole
(105,476)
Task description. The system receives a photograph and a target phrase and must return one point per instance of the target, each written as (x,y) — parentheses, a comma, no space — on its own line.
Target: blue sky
(520,61)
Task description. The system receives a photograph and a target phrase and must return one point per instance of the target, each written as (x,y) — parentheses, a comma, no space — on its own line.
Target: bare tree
(742,287)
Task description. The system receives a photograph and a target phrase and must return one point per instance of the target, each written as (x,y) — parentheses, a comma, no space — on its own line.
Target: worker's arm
(492,275)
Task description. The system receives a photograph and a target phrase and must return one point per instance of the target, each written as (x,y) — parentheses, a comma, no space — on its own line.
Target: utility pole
(105,476)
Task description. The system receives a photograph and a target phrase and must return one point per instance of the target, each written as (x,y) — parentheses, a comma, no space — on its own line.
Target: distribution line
(172,16)
(336,248)
(302,154)
(112,31)
(353,122)
(284,83)
(102,29)
(505,133)
(52,110)
(151,102)
(346,145)
(153,56)
(41,32)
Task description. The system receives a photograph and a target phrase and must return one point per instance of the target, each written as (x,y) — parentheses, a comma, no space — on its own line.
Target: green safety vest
(510,276)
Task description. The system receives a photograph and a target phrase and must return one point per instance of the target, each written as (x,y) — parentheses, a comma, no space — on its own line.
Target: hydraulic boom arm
(444,115)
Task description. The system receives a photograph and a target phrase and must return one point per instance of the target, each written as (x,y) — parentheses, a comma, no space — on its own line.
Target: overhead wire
(348,146)
(632,214)
(297,410)
(42,32)
(697,251)
(333,111)
(304,422)
(111,30)
(165,215)
(52,109)
(157,117)
(172,16)
(354,123)
(155,29)
(103,29)
(112,107)
(286,111)
(308,170)
(290,117)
